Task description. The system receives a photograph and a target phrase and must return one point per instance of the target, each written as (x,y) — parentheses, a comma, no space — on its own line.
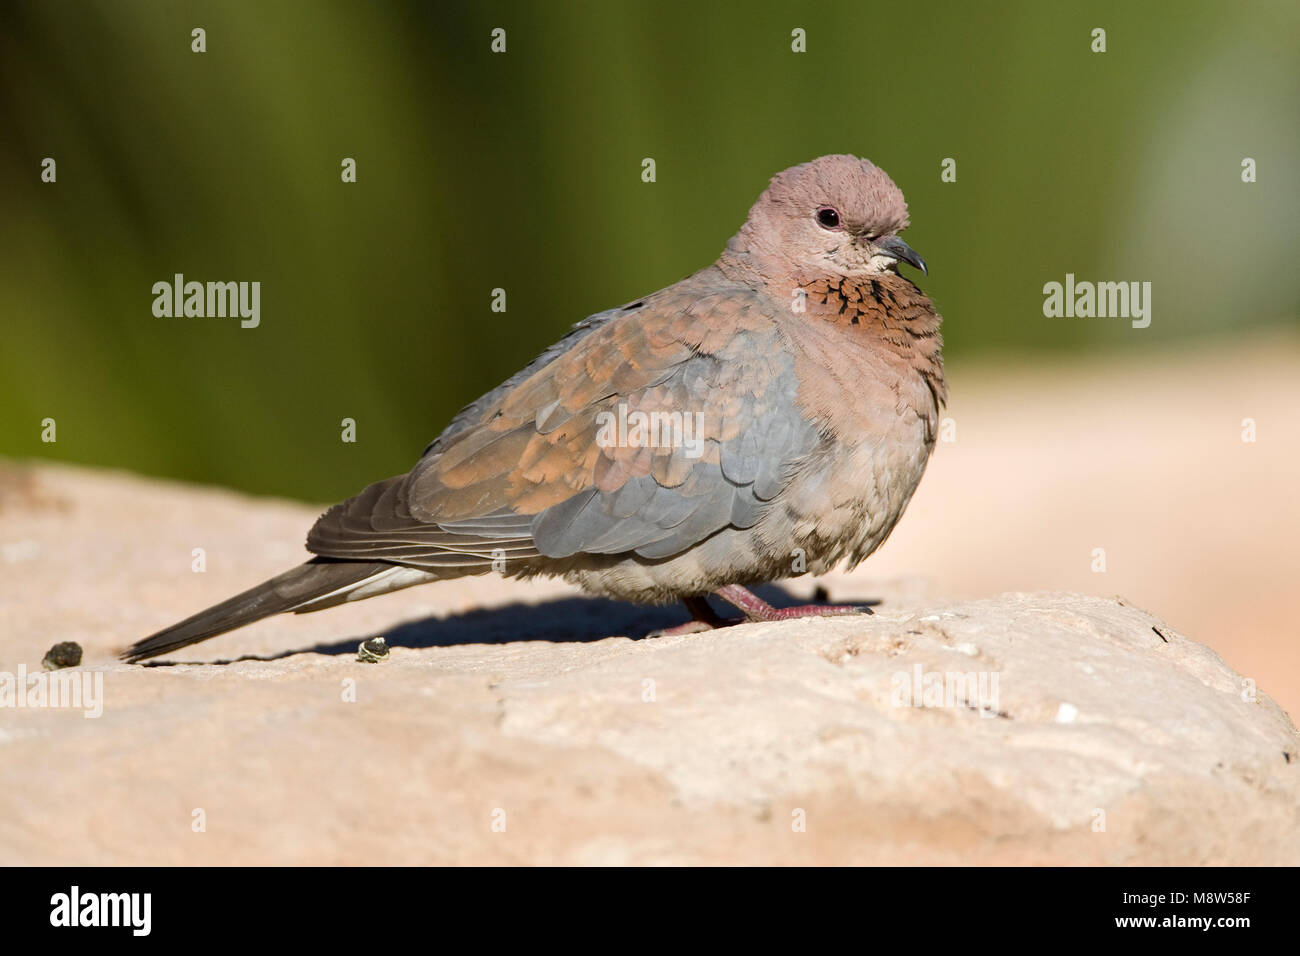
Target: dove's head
(838,213)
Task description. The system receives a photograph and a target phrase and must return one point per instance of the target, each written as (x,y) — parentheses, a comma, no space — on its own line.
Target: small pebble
(66,654)
(373,651)
(1066,713)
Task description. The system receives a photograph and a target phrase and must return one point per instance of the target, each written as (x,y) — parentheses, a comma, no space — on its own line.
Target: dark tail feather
(284,592)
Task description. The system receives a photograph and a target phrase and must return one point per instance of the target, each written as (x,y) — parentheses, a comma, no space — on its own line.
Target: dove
(769,415)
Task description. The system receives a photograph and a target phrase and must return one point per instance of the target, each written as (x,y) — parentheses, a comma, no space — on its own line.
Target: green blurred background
(522,171)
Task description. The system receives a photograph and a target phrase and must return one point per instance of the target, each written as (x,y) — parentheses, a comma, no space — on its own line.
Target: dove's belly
(839,507)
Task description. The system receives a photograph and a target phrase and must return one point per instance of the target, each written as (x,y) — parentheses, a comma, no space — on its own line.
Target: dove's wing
(553,463)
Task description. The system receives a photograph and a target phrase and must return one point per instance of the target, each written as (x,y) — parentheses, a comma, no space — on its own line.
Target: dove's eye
(828,218)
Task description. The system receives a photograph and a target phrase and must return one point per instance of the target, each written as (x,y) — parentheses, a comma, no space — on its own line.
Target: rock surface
(1098,735)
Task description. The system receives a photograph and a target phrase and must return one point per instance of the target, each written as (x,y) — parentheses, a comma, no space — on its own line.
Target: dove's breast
(871,375)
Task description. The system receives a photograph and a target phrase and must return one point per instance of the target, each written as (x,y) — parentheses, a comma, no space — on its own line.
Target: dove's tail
(320,583)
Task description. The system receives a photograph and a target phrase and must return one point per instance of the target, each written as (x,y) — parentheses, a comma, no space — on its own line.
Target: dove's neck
(756,266)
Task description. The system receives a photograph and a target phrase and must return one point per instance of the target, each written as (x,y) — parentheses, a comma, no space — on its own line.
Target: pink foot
(704,618)
(690,627)
(756,609)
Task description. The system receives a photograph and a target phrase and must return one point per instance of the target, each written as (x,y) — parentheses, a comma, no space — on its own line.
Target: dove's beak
(893,246)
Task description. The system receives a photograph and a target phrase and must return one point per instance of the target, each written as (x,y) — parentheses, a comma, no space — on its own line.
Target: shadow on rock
(576,620)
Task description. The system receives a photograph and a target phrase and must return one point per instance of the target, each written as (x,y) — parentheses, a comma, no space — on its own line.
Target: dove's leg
(756,609)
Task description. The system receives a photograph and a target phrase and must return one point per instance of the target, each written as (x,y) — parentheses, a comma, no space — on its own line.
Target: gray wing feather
(655,521)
